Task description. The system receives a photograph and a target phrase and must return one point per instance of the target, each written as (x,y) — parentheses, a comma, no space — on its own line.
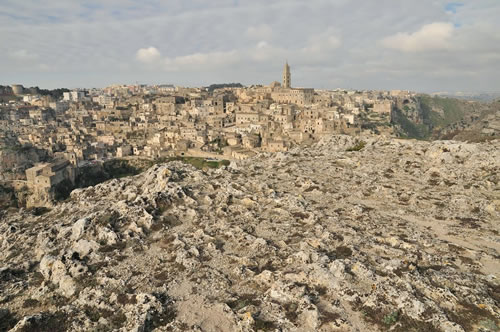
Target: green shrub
(198,162)
(117,168)
(391,318)
(358,147)
(62,190)
(39,211)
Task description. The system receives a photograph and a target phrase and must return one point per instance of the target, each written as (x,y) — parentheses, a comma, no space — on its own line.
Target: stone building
(248,117)
(48,175)
(123,151)
(382,107)
(288,95)
(299,97)
(17,89)
(287,77)
(43,179)
(250,141)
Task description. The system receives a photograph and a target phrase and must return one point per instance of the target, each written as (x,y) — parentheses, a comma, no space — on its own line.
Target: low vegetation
(62,190)
(453,110)
(7,197)
(199,162)
(112,169)
(7,320)
(55,322)
(408,128)
(212,87)
(358,147)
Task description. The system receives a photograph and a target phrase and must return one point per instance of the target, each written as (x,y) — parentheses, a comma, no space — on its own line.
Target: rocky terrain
(346,235)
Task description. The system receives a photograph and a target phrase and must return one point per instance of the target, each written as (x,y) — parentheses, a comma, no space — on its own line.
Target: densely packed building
(158,121)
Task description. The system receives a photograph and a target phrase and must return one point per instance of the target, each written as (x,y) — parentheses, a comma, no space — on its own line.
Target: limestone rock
(399,235)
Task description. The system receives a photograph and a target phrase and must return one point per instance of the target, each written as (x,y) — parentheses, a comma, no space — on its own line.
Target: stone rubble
(401,235)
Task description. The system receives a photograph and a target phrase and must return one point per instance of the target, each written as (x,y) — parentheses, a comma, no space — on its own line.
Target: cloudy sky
(425,45)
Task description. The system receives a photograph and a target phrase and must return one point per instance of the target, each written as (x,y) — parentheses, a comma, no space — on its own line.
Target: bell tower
(287,77)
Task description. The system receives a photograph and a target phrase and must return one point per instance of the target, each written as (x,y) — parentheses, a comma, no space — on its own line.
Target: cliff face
(14,160)
(399,235)
(426,117)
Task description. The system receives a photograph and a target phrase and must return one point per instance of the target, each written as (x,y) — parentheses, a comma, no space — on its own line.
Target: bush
(56,322)
(119,168)
(112,169)
(89,176)
(7,320)
(199,162)
(39,211)
(391,318)
(358,147)
(7,197)
(62,190)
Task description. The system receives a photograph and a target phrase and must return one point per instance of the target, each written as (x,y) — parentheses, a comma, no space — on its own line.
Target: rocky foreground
(397,235)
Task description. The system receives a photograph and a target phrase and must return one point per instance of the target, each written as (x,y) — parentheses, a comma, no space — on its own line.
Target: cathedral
(287,77)
(288,95)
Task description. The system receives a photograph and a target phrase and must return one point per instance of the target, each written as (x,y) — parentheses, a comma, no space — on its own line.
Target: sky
(423,46)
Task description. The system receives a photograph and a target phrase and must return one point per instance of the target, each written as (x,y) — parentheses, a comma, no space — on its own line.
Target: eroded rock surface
(400,235)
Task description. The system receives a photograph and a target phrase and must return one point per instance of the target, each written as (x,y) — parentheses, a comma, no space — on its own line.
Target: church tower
(287,80)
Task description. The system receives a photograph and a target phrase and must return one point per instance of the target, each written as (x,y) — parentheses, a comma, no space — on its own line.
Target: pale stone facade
(299,97)
(383,107)
(43,178)
(287,77)
(46,176)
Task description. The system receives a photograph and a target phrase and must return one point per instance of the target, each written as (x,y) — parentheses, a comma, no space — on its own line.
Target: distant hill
(6,91)
(55,93)
(480,96)
(212,87)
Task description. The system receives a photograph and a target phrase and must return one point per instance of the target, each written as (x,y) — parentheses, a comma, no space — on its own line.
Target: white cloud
(23,55)
(44,67)
(200,61)
(317,48)
(148,55)
(434,36)
(264,51)
(26,60)
(321,45)
(260,32)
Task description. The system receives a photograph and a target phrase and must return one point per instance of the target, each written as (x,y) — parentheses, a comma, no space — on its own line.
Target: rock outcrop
(393,235)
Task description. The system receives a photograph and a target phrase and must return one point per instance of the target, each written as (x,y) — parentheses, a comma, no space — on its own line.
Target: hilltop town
(47,137)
